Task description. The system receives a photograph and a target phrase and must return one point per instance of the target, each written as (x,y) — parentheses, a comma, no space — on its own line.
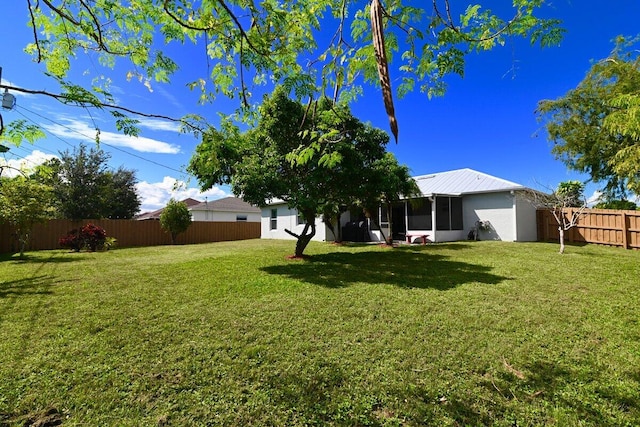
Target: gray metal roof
(463,181)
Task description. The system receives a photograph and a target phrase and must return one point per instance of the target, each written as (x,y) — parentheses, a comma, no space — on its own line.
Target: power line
(101,143)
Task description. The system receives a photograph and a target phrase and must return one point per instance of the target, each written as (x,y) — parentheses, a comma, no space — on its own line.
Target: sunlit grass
(233,333)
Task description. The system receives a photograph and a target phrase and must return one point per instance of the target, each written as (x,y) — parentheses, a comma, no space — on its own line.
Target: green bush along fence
(131,233)
(599,226)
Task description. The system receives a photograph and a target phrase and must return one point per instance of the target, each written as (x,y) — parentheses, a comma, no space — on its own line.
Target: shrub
(71,241)
(90,237)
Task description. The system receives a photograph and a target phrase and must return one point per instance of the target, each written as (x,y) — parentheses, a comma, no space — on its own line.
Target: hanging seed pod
(377,35)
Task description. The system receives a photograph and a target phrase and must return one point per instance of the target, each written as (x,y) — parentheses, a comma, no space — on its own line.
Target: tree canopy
(85,188)
(312,47)
(596,126)
(315,158)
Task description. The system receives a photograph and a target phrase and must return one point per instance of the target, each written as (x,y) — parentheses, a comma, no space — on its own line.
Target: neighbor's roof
(156,214)
(228,204)
(463,181)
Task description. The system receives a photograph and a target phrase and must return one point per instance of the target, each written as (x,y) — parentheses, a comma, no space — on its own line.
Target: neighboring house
(156,214)
(451,206)
(229,209)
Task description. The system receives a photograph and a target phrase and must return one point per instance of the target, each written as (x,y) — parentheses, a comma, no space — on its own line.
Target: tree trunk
(302,243)
(23,243)
(389,239)
(304,238)
(561,234)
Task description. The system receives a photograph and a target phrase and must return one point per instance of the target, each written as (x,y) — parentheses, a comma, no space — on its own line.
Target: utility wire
(85,136)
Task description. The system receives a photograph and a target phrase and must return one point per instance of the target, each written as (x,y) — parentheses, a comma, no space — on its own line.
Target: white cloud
(78,130)
(156,195)
(594,198)
(26,164)
(157,124)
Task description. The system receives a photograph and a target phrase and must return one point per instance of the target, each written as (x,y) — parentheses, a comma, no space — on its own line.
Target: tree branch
(448,22)
(66,99)
(96,36)
(35,33)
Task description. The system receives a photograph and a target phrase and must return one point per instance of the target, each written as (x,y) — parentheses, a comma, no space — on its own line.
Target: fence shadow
(414,267)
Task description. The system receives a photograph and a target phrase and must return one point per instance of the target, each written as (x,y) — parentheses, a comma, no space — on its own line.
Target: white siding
(527,226)
(288,218)
(497,208)
(223,216)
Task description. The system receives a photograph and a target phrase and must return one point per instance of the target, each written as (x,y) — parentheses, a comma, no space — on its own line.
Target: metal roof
(463,181)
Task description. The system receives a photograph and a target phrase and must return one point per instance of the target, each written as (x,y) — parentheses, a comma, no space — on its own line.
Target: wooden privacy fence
(131,233)
(599,226)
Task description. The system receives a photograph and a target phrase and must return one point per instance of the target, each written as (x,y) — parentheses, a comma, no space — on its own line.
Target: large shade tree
(314,47)
(85,187)
(310,157)
(596,126)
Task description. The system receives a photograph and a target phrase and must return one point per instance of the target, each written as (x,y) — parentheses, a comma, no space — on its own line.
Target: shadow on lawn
(43,257)
(38,285)
(547,384)
(410,267)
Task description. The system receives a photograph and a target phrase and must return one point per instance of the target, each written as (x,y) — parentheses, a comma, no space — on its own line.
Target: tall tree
(23,203)
(310,157)
(85,187)
(596,126)
(314,47)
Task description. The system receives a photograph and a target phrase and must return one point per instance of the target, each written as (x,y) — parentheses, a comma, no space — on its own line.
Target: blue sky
(485,121)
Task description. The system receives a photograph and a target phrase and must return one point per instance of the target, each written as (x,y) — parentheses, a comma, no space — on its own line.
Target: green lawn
(469,333)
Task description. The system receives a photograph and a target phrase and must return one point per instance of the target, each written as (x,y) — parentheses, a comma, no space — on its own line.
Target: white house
(228,209)
(453,204)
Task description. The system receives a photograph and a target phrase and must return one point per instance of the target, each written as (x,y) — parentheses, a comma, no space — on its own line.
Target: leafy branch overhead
(312,48)
(596,126)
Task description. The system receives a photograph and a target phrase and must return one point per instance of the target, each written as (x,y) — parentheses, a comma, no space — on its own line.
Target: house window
(300,219)
(448,213)
(419,214)
(241,218)
(274,219)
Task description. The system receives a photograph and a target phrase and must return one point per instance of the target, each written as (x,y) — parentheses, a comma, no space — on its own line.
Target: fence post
(625,240)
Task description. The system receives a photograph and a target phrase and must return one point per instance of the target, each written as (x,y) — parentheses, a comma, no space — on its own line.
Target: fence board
(131,233)
(598,226)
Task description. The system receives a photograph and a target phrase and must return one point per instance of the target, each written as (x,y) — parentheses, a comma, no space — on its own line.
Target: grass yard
(469,333)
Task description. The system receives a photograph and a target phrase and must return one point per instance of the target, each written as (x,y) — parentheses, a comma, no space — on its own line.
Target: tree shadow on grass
(556,384)
(38,285)
(55,257)
(407,268)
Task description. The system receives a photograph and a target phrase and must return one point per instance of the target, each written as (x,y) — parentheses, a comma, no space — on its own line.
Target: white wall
(527,222)
(497,208)
(288,218)
(223,216)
